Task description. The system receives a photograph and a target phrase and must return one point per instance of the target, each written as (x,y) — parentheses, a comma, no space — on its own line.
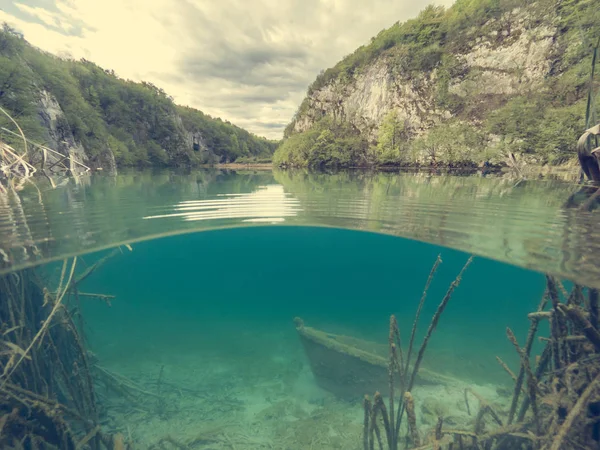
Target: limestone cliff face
(195,140)
(59,136)
(370,96)
(506,57)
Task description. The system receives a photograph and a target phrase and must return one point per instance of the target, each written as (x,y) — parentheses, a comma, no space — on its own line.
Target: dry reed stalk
(419,308)
(558,325)
(392,418)
(484,408)
(540,315)
(16,165)
(434,322)
(13,162)
(379,406)
(374,428)
(528,344)
(18,128)
(14,159)
(368,412)
(576,315)
(88,437)
(392,364)
(540,369)
(44,327)
(576,411)
(103,297)
(412,418)
(531,379)
(506,368)
(594,306)
(93,268)
(395,340)
(576,296)
(432,326)
(45,150)
(54,367)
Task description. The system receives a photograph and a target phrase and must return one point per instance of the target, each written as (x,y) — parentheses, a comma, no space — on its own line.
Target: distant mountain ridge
(460,86)
(76,106)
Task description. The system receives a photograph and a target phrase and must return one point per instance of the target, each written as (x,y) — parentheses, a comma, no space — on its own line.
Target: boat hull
(351,368)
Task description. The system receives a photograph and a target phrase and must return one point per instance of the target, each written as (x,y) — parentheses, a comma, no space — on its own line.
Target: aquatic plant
(400,369)
(47,396)
(555,400)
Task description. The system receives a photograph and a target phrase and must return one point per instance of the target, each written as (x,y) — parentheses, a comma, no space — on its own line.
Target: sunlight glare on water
(268,204)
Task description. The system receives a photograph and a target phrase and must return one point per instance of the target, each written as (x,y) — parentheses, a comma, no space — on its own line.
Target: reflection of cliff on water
(524,223)
(534,224)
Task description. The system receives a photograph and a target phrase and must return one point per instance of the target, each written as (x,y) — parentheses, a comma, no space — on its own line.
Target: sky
(246,61)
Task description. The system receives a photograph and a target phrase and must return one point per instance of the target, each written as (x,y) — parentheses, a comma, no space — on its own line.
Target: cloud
(51,19)
(249,62)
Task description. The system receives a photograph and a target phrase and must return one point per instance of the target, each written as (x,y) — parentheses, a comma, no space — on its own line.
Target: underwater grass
(47,392)
(560,390)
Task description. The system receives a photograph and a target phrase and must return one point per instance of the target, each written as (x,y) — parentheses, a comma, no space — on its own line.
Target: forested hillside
(77,106)
(455,86)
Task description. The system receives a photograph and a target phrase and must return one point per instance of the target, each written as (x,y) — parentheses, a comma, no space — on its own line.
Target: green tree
(391,138)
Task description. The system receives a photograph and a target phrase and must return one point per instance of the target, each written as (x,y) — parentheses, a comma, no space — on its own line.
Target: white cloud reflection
(268,204)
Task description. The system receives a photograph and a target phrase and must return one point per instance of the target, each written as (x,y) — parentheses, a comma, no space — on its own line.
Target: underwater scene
(205,325)
(224,310)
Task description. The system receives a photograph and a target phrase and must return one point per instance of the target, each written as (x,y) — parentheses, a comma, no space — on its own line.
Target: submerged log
(350,367)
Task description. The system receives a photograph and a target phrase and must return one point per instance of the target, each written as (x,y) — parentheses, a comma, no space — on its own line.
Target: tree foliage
(392,139)
(138,122)
(471,126)
(327,144)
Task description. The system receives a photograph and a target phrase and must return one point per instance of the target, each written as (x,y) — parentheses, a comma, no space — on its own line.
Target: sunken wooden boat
(350,367)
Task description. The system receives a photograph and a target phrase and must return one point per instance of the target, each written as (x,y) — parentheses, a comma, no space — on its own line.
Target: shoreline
(256,166)
(391,168)
(568,172)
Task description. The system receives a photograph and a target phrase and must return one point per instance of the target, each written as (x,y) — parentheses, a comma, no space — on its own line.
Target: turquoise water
(544,225)
(199,346)
(215,309)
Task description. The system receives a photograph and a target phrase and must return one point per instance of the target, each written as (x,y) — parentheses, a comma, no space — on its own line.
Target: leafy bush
(530,126)
(452,143)
(327,144)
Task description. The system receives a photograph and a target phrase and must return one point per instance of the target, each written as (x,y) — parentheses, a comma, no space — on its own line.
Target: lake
(214,322)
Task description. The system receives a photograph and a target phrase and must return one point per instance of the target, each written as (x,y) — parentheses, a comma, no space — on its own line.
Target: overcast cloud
(248,62)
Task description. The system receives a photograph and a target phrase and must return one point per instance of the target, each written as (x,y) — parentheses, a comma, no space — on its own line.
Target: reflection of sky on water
(268,204)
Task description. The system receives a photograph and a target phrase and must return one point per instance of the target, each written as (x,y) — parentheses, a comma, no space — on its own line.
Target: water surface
(202,324)
(534,224)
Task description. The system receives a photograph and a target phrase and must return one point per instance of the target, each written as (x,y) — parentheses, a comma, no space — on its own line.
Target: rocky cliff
(58,136)
(492,76)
